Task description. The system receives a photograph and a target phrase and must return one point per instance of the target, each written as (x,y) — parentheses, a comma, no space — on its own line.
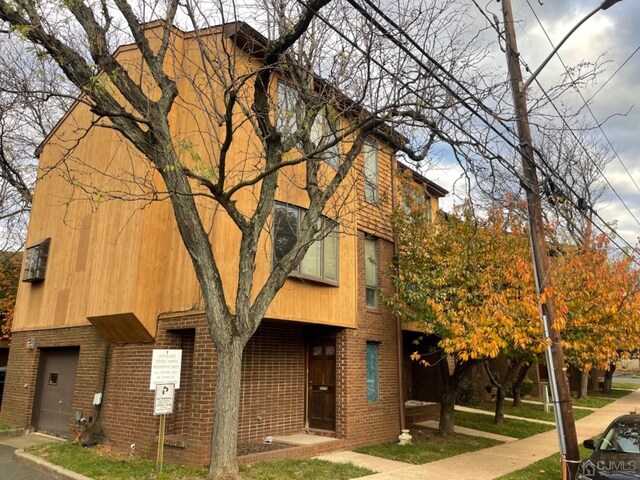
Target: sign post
(163,405)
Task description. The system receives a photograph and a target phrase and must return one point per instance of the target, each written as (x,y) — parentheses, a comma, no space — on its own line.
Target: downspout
(394,170)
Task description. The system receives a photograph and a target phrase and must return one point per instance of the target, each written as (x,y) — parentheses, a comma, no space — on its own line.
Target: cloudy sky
(614,33)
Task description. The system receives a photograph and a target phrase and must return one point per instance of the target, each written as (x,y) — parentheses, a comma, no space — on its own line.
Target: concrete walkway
(469,431)
(490,463)
(460,408)
(575,407)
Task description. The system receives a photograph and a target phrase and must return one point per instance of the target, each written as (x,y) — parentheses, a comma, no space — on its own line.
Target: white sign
(165,395)
(165,368)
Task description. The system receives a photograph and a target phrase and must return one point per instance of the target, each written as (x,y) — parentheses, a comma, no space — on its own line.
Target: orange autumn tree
(513,300)
(10,265)
(602,296)
(465,280)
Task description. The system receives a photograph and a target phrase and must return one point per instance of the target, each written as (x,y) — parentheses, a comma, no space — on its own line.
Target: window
(287,103)
(321,259)
(371,271)
(416,200)
(324,129)
(373,374)
(36,261)
(371,173)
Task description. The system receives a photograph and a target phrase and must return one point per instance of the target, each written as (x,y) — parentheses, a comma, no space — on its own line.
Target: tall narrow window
(371,172)
(371,271)
(373,372)
(287,104)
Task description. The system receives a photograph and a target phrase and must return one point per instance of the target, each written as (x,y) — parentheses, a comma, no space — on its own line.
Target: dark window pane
(372,297)
(285,230)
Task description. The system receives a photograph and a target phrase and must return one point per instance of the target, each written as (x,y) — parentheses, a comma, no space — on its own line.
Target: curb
(46,467)
(12,432)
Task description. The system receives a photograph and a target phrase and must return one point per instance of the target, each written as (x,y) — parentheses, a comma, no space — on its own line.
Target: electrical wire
(614,74)
(542,158)
(497,157)
(437,64)
(592,115)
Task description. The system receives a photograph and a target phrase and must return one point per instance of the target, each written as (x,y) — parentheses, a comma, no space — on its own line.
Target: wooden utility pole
(561,394)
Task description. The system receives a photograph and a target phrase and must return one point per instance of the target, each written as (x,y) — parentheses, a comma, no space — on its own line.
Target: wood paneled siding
(121,263)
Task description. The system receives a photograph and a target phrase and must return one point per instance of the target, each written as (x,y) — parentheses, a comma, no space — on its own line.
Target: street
(627,377)
(10,468)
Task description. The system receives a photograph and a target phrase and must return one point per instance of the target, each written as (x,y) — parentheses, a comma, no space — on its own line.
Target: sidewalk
(496,461)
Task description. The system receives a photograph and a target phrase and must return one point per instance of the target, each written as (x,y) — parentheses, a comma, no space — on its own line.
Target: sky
(614,33)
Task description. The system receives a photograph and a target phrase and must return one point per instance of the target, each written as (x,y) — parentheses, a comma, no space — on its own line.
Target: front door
(54,390)
(322,384)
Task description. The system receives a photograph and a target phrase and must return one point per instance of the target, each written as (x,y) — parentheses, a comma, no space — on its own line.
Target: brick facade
(20,384)
(358,420)
(273,395)
(274,385)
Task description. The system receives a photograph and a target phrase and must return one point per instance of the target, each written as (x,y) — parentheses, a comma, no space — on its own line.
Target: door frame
(307,379)
(37,395)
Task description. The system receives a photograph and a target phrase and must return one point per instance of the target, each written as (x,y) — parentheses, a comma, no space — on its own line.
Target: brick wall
(17,404)
(272,399)
(273,394)
(358,420)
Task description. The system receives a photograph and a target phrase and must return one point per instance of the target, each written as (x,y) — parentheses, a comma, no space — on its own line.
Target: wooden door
(54,390)
(322,384)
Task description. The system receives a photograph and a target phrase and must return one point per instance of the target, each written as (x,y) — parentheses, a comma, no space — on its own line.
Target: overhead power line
(586,104)
(430,71)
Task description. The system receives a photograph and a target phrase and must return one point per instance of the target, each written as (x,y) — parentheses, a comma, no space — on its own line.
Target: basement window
(36,261)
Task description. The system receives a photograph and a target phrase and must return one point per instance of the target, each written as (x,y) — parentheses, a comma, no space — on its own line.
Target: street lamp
(604,6)
(555,357)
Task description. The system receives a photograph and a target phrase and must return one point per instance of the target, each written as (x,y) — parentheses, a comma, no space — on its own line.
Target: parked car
(616,455)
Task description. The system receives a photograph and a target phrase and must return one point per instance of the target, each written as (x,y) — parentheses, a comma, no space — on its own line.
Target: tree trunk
(584,384)
(517,384)
(447,408)
(607,385)
(224,441)
(498,419)
(448,401)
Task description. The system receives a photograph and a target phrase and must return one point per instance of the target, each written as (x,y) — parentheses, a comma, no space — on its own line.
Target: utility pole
(561,394)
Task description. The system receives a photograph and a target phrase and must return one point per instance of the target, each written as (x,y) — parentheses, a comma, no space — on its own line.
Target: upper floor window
(36,261)
(415,200)
(371,271)
(324,129)
(321,260)
(371,172)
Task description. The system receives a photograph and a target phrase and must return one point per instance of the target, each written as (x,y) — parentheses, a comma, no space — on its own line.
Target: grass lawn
(510,428)
(302,469)
(546,469)
(529,410)
(598,399)
(626,385)
(98,464)
(427,447)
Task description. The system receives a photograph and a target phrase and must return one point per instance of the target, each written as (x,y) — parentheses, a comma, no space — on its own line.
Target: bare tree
(307,92)
(33,96)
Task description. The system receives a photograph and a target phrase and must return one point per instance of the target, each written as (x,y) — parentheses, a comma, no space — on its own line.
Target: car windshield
(622,437)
